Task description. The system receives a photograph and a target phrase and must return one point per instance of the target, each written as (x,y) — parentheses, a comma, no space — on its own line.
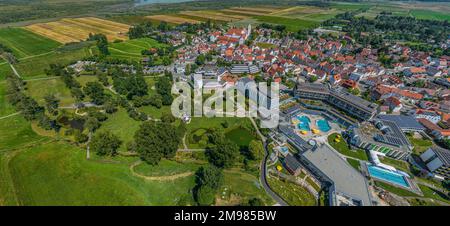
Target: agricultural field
(25,43)
(214,15)
(78,29)
(33,67)
(131,49)
(430,15)
(172,19)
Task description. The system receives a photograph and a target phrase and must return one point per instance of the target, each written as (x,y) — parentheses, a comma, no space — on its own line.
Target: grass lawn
(197,128)
(155,112)
(25,43)
(420,145)
(240,136)
(131,49)
(122,125)
(5,70)
(166,168)
(35,66)
(430,15)
(434,194)
(420,202)
(354,163)
(238,187)
(5,107)
(293,194)
(39,88)
(16,132)
(290,23)
(401,165)
(395,190)
(342,147)
(265,45)
(59,174)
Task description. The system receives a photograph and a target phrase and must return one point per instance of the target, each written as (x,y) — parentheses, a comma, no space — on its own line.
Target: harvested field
(173,19)
(244,12)
(214,15)
(78,29)
(258,9)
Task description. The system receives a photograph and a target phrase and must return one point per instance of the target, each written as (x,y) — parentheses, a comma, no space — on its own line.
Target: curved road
(263,174)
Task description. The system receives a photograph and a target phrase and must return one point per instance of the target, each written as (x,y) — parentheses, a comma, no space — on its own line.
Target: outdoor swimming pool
(304,123)
(387,176)
(323,125)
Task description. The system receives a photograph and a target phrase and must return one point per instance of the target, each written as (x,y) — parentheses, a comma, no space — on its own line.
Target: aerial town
(364,116)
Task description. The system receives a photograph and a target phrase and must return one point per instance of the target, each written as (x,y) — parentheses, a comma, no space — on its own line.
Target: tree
(200,60)
(224,152)
(255,202)
(51,103)
(77,93)
(105,143)
(168,118)
(92,124)
(313,78)
(164,88)
(255,149)
(30,108)
(155,140)
(210,176)
(205,196)
(95,91)
(102,43)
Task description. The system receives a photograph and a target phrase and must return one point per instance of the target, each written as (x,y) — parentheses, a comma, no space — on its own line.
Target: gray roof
(355,100)
(443,154)
(345,178)
(292,163)
(403,121)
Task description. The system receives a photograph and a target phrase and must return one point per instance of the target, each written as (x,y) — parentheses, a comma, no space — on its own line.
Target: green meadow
(25,43)
(5,107)
(59,174)
(430,15)
(131,49)
(290,23)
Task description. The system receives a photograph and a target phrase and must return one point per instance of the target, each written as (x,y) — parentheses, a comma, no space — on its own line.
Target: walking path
(11,115)
(263,166)
(159,178)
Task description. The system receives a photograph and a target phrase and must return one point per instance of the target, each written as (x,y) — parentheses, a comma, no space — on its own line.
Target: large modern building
(382,136)
(244,69)
(437,161)
(404,122)
(348,186)
(351,104)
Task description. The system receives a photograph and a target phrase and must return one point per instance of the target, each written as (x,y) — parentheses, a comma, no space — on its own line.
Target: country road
(263,166)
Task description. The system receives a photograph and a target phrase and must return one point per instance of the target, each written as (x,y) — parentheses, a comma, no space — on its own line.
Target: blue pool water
(323,125)
(304,123)
(387,176)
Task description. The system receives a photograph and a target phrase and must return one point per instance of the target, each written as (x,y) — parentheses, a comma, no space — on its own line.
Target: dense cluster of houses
(338,64)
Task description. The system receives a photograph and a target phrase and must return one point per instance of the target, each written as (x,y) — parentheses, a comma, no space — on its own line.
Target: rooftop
(403,121)
(346,179)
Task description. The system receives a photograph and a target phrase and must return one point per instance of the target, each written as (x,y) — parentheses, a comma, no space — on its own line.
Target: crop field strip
(74,30)
(211,15)
(25,43)
(173,19)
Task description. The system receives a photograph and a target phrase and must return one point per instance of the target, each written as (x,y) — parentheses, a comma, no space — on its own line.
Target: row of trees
(101,42)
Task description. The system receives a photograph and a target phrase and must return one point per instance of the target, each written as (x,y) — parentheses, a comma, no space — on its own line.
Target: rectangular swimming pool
(387,176)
